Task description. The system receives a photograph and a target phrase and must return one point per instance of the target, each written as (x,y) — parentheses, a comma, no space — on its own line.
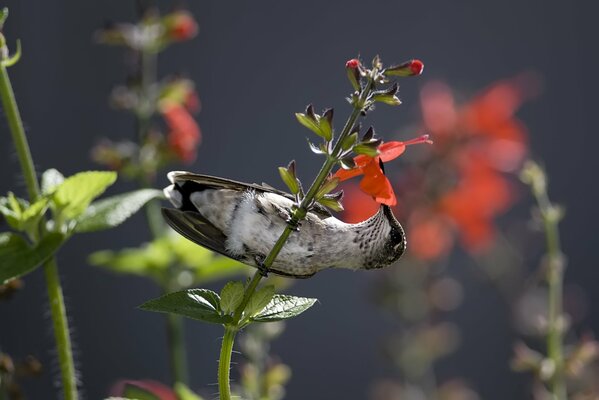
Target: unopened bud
(408,68)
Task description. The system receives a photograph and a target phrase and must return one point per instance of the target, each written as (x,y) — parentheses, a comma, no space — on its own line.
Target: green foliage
(283,307)
(21,215)
(138,393)
(200,304)
(112,211)
(259,300)
(171,252)
(231,296)
(74,194)
(184,393)
(69,199)
(18,257)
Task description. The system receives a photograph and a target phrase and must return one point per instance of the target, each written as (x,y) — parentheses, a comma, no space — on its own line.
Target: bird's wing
(199,230)
(196,228)
(222,183)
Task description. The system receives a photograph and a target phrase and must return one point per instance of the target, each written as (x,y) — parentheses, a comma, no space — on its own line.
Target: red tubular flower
(184,136)
(374,182)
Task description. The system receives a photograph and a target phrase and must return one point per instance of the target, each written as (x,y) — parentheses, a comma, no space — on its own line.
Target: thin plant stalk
(554,264)
(174,324)
(299,214)
(55,297)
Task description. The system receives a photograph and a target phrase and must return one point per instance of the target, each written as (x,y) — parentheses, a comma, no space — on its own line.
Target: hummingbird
(243,221)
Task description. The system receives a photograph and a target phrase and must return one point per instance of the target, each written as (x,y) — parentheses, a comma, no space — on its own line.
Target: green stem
(11,110)
(555,282)
(57,308)
(174,324)
(299,214)
(176,338)
(61,330)
(224,365)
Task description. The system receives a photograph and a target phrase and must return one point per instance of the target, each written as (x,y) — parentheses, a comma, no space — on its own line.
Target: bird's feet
(259,259)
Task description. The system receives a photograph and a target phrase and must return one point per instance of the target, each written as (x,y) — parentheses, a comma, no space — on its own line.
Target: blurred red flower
(180,25)
(132,387)
(459,188)
(184,135)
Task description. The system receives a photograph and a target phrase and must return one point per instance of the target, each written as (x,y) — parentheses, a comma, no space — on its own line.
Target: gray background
(255,63)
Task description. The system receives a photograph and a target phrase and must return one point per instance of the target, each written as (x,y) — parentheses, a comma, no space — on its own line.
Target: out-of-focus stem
(55,297)
(554,264)
(299,214)
(174,324)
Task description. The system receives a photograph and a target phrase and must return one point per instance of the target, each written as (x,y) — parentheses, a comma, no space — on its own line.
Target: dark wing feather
(221,183)
(196,228)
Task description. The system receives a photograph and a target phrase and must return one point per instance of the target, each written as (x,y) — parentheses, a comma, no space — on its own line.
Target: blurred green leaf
(137,393)
(112,211)
(152,260)
(231,296)
(283,307)
(51,178)
(148,260)
(74,195)
(17,257)
(259,300)
(184,393)
(19,214)
(200,304)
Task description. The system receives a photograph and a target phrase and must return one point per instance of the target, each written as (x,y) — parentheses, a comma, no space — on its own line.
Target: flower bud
(180,25)
(408,68)
(353,72)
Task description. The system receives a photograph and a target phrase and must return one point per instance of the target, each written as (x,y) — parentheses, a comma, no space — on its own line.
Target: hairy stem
(299,214)
(57,308)
(224,363)
(61,330)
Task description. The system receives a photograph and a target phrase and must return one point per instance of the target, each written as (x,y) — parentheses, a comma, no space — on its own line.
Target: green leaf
(326,124)
(259,300)
(200,304)
(391,100)
(112,211)
(333,204)
(231,296)
(327,187)
(17,257)
(289,180)
(148,260)
(219,267)
(309,123)
(184,393)
(74,195)
(366,149)
(349,141)
(19,214)
(51,178)
(283,307)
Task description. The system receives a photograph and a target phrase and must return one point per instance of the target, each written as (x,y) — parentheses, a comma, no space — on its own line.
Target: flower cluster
(173,98)
(459,188)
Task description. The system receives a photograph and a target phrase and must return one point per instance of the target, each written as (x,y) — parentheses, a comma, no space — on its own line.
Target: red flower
(180,25)
(353,63)
(375,183)
(184,136)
